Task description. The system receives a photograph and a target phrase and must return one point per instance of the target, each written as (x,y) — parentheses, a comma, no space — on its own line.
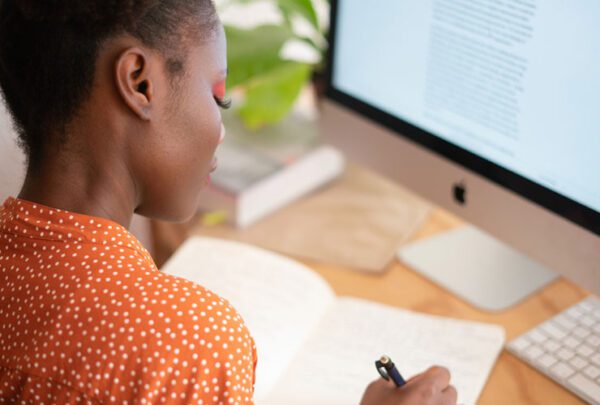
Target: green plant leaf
(270,96)
(311,43)
(303,7)
(253,52)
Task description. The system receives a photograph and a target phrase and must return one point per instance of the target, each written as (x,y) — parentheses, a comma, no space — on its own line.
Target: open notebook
(316,348)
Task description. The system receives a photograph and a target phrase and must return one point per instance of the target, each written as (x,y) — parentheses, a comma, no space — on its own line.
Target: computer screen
(512,88)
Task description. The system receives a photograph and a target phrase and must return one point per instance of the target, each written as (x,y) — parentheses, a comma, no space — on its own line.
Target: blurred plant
(268,82)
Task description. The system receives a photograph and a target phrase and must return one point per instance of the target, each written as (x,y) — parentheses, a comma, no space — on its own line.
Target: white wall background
(12,159)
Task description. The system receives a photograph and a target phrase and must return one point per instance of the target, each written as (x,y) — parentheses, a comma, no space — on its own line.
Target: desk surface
(511,381)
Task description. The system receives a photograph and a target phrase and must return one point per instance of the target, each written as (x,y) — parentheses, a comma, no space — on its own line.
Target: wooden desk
(511,381)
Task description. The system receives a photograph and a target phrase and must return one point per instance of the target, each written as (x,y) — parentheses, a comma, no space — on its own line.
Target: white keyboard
(567,349)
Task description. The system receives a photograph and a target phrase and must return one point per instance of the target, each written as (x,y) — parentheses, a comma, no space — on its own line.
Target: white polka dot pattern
(86,317)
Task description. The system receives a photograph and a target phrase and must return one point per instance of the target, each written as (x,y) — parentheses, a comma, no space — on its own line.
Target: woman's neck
(85,183)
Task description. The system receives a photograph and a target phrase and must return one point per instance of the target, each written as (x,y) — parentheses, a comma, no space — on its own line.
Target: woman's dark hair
(48,51)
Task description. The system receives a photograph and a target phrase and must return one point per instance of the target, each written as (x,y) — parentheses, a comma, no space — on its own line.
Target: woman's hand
(429,388)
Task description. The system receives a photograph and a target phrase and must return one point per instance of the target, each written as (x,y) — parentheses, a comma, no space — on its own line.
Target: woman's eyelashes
(223,103)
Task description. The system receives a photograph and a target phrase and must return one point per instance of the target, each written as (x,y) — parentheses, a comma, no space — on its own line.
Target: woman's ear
(134,81)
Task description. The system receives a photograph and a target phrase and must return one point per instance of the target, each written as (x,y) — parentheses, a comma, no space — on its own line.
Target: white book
(261,172)
(249,186)
(314,347)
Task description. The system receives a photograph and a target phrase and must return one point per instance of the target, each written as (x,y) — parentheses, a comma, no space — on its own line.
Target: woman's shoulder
(180,308)
(182,333)
(153,295)
(175,320)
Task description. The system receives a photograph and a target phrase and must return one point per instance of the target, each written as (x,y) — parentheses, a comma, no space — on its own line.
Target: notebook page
(280,300)
(337,363)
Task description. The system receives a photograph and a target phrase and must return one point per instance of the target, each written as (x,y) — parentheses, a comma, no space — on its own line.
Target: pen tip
(384,359)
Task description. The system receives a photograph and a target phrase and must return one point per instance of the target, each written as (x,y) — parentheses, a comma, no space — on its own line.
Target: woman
(117,107)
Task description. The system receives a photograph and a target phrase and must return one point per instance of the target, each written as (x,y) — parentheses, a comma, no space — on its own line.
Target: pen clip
(382,370)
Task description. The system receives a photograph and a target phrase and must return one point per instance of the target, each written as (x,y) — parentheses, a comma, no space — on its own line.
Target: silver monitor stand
(476,267)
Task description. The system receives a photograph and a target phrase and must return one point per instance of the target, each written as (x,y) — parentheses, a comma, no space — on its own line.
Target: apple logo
(459,190)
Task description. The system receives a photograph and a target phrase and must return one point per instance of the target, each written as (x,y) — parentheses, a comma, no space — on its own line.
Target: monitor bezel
(567,208)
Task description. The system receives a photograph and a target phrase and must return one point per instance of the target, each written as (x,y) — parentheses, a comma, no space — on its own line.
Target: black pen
(387,369)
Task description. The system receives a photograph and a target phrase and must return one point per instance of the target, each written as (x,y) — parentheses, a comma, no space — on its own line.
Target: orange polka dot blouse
(86,317)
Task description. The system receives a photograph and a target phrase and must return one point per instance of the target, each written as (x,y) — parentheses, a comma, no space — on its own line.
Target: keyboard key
(561,371)
(571,342)
(574,312)
(546,360)
(584,350)
(551,345)
(588,321)
(593,341)
(536,336)
(578,363)
(592,371)
(587,306)
(565,354)
(533,352)
(520,344)
(553,330)
(592,304)
(580,332)
(565,322)
(585,385)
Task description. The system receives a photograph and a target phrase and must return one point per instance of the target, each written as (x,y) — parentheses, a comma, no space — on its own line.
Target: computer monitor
(489,109)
